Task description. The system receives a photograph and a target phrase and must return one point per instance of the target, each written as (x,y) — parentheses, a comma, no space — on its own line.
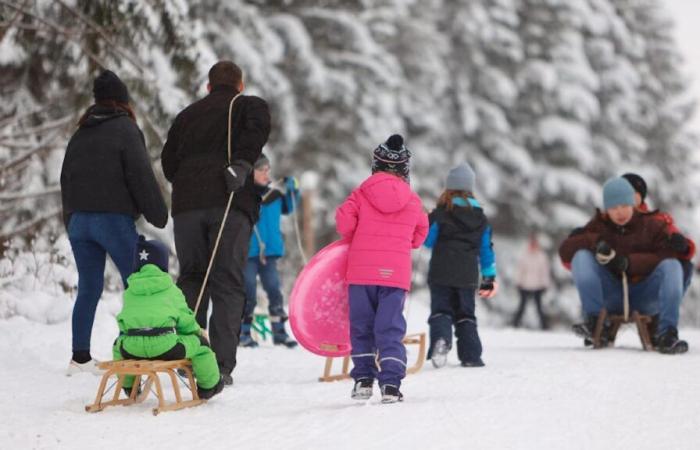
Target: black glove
(576,231)
(678,243)
(236,175)
(617,265)
(603,249)
(487,284)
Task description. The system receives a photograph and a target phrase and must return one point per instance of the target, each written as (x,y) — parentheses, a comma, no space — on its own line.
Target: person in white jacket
(533,279)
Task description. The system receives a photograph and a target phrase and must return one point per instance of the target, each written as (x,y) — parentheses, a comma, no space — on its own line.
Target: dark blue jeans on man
(659,293)
(453,306)
(270,279)
(93,236)
(377,329)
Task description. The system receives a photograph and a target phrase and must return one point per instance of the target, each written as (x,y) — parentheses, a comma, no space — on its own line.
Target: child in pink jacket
(383,219)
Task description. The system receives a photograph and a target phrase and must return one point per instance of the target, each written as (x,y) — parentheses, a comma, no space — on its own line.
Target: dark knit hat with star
(108,86)
(392,156)
(151,252)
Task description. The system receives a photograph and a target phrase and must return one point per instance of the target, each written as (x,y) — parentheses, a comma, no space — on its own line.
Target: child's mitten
(488,287)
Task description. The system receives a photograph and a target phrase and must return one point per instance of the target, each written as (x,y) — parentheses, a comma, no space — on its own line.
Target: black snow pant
(537,297)
(453,306)
(195,235)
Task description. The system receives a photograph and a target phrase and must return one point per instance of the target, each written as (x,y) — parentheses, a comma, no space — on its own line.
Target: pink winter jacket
(383,219)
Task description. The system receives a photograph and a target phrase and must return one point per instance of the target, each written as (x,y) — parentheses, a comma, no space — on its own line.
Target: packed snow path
(538,390)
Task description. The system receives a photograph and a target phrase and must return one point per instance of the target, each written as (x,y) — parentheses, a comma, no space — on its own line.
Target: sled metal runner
(417,339)
(149,369)
(616,321)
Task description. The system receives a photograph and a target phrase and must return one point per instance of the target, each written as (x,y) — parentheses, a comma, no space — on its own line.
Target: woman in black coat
(107,182)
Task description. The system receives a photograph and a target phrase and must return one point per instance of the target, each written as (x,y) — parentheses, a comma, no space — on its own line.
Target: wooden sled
(150,369)
(616,321)
(410,339)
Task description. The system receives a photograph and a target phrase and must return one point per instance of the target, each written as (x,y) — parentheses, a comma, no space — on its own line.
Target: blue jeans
(659,293)
(377,325)
(270,279)
(92,237)
(454,306)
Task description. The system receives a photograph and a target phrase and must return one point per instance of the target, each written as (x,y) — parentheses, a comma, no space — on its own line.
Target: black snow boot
(280,336)
(669,343)
(391,394)
(362,389)
(586,329)
(129,390)
(228,379)
(206,394)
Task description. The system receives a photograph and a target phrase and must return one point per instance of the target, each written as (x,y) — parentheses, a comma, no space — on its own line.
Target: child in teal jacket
(155,322)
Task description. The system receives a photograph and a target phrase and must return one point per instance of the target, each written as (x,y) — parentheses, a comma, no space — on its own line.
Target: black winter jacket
(455,258)
(195,155)
(106,169)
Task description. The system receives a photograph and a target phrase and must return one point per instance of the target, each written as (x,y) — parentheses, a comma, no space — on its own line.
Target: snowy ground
(538,391)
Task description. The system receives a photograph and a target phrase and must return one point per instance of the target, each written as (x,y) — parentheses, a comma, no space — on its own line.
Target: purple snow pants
(377,326)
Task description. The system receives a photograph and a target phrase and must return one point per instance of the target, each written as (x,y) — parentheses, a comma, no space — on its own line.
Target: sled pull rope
(223,221)
(625,285)
(295,218)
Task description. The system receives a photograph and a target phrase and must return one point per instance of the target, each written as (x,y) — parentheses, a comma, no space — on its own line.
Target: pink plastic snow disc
(318,306)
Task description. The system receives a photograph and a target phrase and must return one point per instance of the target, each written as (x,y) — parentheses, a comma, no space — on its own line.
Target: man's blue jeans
(270,279)
(93,236)
(659,293)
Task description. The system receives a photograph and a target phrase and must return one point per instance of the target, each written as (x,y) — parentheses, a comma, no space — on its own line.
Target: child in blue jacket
(460,237)
(266,247)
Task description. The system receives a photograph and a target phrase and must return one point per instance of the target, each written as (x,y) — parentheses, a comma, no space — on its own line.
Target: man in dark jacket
(195,160)
(624,240)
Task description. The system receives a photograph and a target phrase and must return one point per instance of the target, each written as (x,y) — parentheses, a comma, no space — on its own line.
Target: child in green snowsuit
(155,322)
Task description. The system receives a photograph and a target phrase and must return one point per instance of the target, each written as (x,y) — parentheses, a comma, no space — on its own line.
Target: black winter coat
(107,169)
(195,155)
(455,258)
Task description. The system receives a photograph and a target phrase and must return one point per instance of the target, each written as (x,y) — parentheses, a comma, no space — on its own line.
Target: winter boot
(474,363)
(129,390)
(391,394)
(227,379)
(438,356)
(669,343)
(362,389)
(206,394)
(280,336)
(246,339)
(586,329)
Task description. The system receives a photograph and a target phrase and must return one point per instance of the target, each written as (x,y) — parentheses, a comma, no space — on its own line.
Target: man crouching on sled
(623,240)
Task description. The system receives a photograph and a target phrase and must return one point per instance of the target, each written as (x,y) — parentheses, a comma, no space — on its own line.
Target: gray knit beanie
(261,162)
(461,178)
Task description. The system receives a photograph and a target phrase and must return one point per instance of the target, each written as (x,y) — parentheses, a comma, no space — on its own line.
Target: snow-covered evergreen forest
(545,98)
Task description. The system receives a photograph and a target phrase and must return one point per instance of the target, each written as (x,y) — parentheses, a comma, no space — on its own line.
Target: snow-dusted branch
(9,140)
(44,145)
(24,195)
(57,28)
(111,45)
(31,224)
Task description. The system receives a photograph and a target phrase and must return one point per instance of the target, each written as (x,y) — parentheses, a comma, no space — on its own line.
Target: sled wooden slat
(149,369)
(616,321)
(417,339)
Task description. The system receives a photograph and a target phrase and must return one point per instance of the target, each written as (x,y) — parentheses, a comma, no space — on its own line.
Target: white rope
(261,246)
(223,221)
(296,228)
(605,259)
